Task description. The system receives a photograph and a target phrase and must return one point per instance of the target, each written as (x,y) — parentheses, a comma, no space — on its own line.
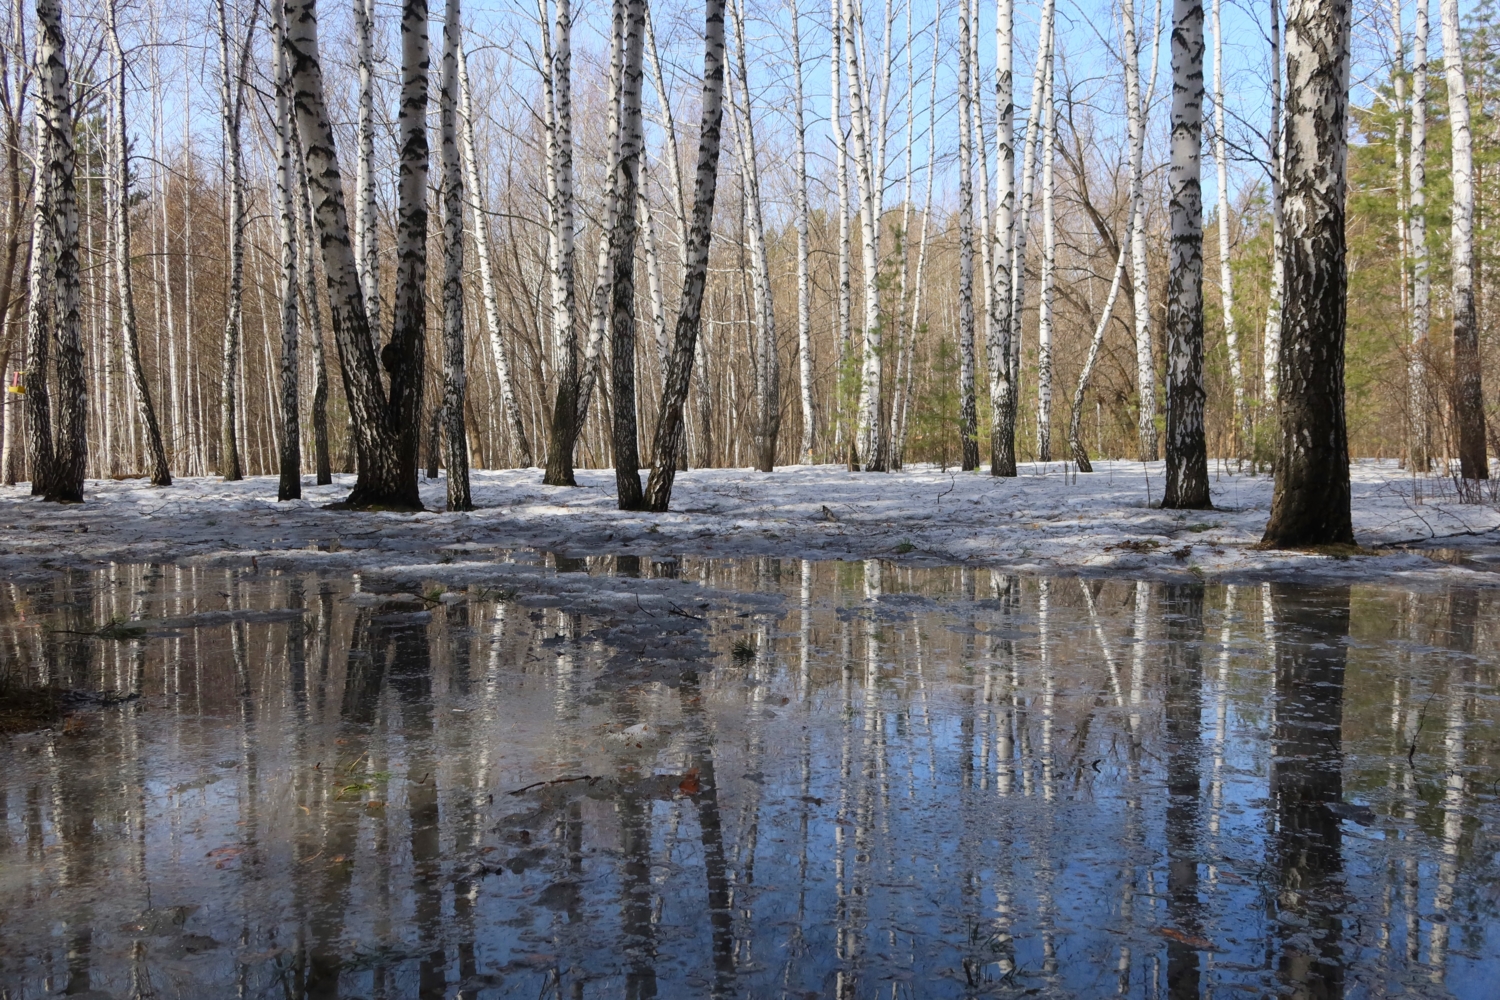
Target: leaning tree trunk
(42,283)
(668,434)
(290,486)
(383,480)
(968,430)
(1187,450)
(404,356)
(622,264)
(161,473)
(1075,421)
(1468,390)
(1135,117)
(1421,282)
(233,79)
(65,471)
(1241,415)
(487,271)
(455,375)
(1311,502)
(1002,379)
(564,431)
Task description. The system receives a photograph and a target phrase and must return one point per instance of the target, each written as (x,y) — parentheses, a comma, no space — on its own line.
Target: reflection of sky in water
(962,786)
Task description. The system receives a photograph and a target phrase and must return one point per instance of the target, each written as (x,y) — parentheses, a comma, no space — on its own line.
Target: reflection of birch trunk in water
(1221,712)
(804,637)
(1183,607)
(1307,777)
(1463,607)
(711,829)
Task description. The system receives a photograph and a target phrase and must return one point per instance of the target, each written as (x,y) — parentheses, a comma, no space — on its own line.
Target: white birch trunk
(1271,341)
(455,370)
(290,458)
(234,67)
(968,430)
(1049,267)
(564,429)
(867,435)
(1226,274)
(1075,420)
(1028,184)
(804,289)
(1002,378)
(161,474)
(366,243)
(1421,281)
(627,189)
(1136,110)
(841,171)
(1468,389)
(498,349)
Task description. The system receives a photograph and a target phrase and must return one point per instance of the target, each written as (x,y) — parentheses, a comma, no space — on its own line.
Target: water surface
(618,777)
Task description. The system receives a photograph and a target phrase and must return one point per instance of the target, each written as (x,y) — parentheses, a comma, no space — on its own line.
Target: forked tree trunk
(366,244)
(1187,450)
(564,431)
(322,463)
(1420,447)
(386,473)
(668,434)
(1468,389)
(487,271)
(1135,116)
(767,368)
(1311,502)
(290,486)
(1002,379)
(903,407)
(968,431)
(63,480)
(161,473)
(1241,415)
(455,373)
(622,264)
(404,356)
(232,82)
(804,284)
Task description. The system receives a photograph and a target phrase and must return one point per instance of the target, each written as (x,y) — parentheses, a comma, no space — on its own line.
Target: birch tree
(1311,502)
(366,244)
(1468,390)
(1136,109)
(1075,436)
(234,70)
(667,437)
(1002,377)
(622,263)
(386,472)
(1421,281)
(455,373)
(1226,274)
(498,351)
(867,435)
(41,282)
(290,486)
(322,464)
(804,284)
(1047,285)
(967,421)
(767,370)
(60,466)
(161,473)
(559,471)
(1187,454)
(841,175)
(404,355)
(1271,339)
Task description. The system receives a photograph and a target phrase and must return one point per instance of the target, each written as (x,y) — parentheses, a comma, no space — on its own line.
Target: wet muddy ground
(757,778)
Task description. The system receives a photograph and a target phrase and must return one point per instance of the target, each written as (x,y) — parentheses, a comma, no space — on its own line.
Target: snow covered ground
(1044,520)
